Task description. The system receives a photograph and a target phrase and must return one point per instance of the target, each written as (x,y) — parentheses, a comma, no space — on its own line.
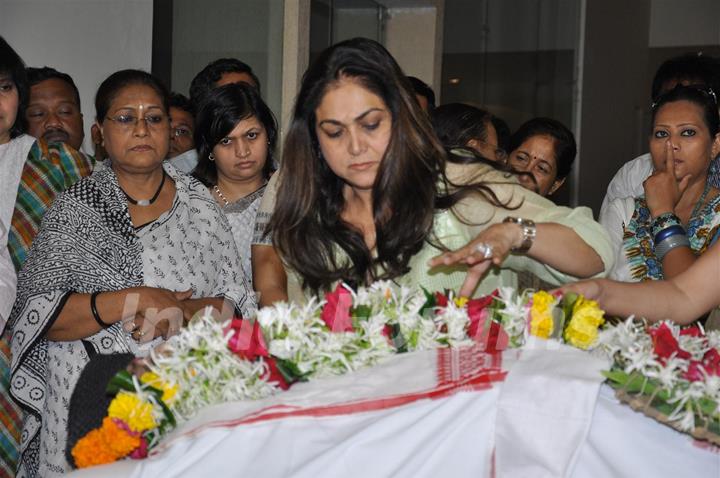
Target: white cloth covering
(541,436)
(451,433)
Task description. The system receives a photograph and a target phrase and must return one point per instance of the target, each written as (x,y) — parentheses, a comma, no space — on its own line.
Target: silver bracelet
(670,243)
(529,232)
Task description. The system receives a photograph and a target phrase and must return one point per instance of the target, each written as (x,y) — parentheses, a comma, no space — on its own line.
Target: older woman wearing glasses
(123,259)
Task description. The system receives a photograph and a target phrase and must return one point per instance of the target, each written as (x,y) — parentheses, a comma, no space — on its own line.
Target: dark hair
(457,123)
(112,85)
(565,146)
(181,102)
(12,65)
(706,99)
(222,109)
(423,89)
(502,130)
(306,225)
(205,81)
(694,68)
(38,75)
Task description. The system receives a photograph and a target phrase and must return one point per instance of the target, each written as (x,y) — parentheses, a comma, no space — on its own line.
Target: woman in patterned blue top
(661,233)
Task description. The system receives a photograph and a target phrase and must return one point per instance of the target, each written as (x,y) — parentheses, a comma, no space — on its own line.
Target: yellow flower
(103,445)
(152,379)
(137,413)
(582,331)
(541,319)
(461,301)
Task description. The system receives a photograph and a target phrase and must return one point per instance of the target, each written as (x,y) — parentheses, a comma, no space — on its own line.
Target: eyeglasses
(501,155)
(152,121)
(180,132)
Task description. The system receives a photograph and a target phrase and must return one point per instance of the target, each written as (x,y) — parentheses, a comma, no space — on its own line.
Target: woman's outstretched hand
(490,247)
(590,289)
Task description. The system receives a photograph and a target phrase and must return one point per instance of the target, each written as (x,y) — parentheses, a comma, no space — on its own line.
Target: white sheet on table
(545,409)
(451,436)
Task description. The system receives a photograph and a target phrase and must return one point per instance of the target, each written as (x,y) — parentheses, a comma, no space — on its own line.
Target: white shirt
(628,181)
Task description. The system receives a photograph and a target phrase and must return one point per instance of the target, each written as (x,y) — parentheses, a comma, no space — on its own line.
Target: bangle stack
(669,234)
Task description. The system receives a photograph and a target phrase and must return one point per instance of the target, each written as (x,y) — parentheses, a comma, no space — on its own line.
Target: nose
(242,148)
(674,143)
(356,145)
(141,128)
(52,120)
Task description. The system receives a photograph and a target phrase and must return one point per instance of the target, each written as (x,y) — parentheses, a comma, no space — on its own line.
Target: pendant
(143,202)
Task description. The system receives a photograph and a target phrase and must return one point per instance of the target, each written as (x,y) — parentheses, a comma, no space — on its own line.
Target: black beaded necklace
(146,202)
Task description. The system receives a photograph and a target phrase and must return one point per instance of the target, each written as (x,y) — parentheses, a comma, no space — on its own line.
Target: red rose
(247,340)
(441,300)
(711,362)
(336,312)
(694,372)
(274,374)
(693,331)
(665,344)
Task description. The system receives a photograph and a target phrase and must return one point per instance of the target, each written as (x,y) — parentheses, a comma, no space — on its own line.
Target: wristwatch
(529,232)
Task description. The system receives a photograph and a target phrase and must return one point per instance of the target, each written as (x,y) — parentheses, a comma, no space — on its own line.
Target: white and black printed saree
(87,243)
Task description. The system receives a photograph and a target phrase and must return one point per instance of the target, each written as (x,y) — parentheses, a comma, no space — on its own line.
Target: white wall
(88,39)
(410,35)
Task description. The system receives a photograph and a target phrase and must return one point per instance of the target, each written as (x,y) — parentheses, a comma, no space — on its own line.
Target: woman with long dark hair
(364,194)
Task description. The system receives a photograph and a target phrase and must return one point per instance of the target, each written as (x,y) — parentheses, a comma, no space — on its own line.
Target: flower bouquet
(209,362)
(669,373)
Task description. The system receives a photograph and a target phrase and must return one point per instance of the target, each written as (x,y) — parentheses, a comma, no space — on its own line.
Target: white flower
(669,374)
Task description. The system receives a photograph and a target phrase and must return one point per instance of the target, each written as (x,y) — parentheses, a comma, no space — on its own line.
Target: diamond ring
(485,250)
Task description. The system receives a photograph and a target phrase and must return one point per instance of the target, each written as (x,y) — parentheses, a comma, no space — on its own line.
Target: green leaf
(430,302)
(121,381)
(398,339)
(616,377)
(359,313)
(169,422)
(290,372)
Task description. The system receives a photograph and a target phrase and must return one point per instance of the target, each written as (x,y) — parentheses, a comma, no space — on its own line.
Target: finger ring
(485,249)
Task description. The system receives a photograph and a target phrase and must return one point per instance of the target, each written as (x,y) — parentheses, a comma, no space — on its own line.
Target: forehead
(542,146)
(246,124)
(235,77)
(346,99)
(179,114)
(682,111)
(52,88)
(136,95)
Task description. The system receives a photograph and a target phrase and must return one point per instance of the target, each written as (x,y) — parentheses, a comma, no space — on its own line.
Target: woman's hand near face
(662,189)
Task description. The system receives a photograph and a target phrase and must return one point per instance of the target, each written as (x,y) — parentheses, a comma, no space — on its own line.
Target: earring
(211,157)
